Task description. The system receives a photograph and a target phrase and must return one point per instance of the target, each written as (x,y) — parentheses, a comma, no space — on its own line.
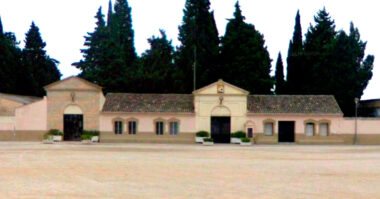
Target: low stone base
(22,135)
(181,138)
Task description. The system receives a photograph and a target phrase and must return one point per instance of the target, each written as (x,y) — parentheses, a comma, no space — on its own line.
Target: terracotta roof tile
(296,104)
(149,103)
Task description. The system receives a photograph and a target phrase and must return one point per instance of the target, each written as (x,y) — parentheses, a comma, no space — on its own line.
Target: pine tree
(295,60)
(110,14)
(244,57)
(94,55)
(279,76)
(157,66)
(318,45)
(41,69)
(199,45)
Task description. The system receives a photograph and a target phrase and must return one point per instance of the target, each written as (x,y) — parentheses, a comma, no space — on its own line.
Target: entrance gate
(221,129)
(72,127)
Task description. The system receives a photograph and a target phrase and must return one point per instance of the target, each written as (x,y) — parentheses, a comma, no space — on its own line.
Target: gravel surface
(73,170)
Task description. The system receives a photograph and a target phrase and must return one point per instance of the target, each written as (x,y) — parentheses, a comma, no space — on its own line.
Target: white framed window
(132,127)
(309,129)
(324,129)
(268,129)
(118,127)
(173,128)
(160,128)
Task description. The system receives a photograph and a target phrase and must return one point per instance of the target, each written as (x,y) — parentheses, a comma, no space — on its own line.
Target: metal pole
(356,121)
(195,67)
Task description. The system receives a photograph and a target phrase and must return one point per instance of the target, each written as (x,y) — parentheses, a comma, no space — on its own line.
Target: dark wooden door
(286,131)
(72,127)
(221,129)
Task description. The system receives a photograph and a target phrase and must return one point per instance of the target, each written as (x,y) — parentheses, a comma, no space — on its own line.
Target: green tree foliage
(279,76)
(157,67)
(9,61)
(94,55)
(199,41)
(38,67)
(295,60)
(110,57)
(244,57)
(333,63)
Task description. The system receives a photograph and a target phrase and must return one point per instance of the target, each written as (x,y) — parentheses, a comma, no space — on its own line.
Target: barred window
(173,128)
(118,127)
(160,128)
(132,127)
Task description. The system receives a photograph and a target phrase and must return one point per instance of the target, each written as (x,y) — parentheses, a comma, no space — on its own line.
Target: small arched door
(72,123)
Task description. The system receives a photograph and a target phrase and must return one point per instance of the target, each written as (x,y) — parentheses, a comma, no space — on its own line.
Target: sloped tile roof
(295,104)
(149,103)
(20,98)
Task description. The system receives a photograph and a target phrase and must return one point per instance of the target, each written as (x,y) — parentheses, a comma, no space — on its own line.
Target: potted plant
(86,139)
(208,141)
(93,133)
(200,135)
(48,138)
(245,142)
(54,135)
(236,137)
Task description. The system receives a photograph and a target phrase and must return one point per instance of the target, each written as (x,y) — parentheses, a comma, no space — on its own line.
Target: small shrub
(91,132)
(51,133)
(55,132)
(86,137)
(208,140)
(245,140)
(239,134)
(202,134)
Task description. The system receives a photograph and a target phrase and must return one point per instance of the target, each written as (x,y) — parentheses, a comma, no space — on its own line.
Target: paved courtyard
(72,170)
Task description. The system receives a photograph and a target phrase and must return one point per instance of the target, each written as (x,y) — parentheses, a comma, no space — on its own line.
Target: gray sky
(64,23)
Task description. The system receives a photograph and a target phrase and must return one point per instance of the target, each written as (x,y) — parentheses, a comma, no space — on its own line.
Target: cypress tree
(295,60)
(157,66)
(110,13)
(244,56)
(279,75)
(41,69)
(199,44)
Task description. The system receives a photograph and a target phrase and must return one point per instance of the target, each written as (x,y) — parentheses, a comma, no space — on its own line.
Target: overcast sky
(64,23)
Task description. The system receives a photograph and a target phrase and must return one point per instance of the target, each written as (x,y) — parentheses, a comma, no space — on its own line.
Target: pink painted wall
(338,124)
(258,121)
(33,116)
(365,126)
(6,126)
(146,121)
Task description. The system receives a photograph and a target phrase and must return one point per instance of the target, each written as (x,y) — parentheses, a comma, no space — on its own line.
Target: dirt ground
(73,170)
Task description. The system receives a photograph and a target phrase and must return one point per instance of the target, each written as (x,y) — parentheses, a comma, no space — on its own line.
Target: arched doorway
(72,123)
(221,124)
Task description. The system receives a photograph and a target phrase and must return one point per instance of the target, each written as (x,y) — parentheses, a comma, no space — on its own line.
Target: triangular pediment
(220,87)
(73,83)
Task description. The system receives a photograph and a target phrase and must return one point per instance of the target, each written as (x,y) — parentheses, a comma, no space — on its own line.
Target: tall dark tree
(95,51)
(199,45)
(352,71)
(9,62)
(295,60)
(318,46)
(41,69)
(244,56)
(279,76)
(157,67)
